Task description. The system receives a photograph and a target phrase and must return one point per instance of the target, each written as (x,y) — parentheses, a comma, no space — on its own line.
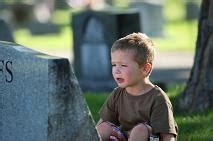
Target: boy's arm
(167,137)
(99,122)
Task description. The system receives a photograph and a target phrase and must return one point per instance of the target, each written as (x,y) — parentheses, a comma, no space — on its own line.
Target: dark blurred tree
(197,96)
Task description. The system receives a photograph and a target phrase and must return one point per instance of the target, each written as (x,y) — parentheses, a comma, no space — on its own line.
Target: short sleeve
(162,119)
(109,111)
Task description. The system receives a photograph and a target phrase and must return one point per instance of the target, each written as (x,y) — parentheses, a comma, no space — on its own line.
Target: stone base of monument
(37,28)
(97,86)
(40,98)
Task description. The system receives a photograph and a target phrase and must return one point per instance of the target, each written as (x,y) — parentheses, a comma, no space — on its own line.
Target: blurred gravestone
(192,10)
(109,2)
(151,16)
(61,4)
(22,13)
(94,46)
(37,28)
(35,15)
(94,33)
(5,32)
(40,98)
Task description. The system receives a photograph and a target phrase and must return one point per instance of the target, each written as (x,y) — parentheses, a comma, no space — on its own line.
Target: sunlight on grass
(179,36)
(174,10)
(196,127)
(121,3)
(62,40)
(62,17)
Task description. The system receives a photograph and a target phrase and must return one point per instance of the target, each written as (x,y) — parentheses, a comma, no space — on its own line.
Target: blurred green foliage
(179,36)
(63,40)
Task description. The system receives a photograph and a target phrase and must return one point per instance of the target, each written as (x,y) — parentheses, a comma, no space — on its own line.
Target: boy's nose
(116,70)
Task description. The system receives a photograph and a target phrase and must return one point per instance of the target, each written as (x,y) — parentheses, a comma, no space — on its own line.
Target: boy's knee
(140,128)
(104,129)
(141,131)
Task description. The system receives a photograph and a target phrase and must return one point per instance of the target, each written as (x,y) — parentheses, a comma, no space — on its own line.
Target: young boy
(136,109)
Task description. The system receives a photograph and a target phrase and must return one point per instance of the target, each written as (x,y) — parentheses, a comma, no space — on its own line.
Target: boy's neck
(141,88)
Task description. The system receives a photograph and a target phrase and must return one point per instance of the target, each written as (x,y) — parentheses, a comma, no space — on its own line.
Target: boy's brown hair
(139,44)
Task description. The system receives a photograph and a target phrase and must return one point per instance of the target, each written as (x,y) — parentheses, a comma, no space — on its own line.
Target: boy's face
(126,71)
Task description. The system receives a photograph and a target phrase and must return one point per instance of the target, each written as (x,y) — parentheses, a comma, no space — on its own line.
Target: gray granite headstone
(94,32)
(40,98)
(94,51)
(5,32)
(151,17)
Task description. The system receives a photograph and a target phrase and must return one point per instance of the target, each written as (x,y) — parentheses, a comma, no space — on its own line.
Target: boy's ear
(147,69)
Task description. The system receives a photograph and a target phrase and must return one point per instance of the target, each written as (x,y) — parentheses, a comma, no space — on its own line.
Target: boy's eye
(114,65)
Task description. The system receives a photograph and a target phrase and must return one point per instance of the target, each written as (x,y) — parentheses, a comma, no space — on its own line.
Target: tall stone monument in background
(151,16)
(40,99)
(94,32)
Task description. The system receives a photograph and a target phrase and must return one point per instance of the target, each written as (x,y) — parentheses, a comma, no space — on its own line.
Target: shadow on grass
(192,126)
(196,127)
(95,101)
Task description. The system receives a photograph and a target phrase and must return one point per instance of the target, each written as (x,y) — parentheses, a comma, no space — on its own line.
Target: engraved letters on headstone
(6,73)
(40,99)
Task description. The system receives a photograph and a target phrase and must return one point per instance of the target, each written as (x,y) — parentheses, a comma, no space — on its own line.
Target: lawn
(179,34)
(192,127)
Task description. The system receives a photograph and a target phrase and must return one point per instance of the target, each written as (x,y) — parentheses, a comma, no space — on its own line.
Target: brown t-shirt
(153,107)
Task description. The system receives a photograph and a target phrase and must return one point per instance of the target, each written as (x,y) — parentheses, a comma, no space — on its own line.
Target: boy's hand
(117,135)
(167,137)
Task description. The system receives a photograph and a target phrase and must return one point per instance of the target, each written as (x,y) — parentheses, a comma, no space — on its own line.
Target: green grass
(179,34)
(62,40)
(174,10)
(192,127)
(62,17)
(95,101)
(196,127)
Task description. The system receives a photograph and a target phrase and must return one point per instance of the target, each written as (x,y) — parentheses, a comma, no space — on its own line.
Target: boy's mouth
(119,80)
